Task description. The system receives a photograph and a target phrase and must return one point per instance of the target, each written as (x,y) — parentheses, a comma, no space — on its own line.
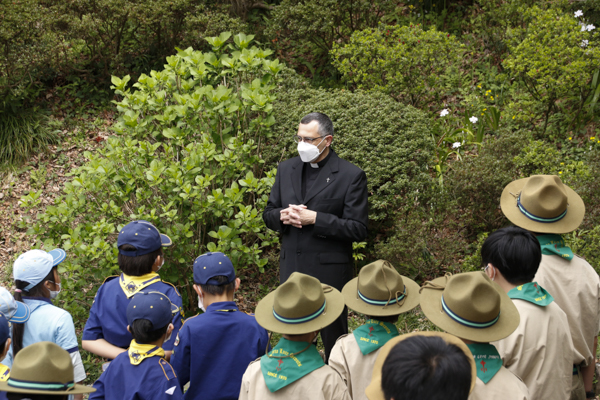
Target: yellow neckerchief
(4,373)
(133,284)
(139,352)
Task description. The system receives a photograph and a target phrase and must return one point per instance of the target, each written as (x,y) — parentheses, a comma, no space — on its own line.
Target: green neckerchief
(288,362)
(531,292)
(487,360)
(139,352)
(374,334)
(133,284)
(4,373)
(554,245)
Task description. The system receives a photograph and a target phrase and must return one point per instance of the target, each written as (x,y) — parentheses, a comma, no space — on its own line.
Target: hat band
(535,217)
(462,321)
(50,386)
(301,319)
(381,302)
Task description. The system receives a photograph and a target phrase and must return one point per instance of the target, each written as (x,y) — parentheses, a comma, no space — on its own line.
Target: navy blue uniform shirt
(108,315)
(152,379)
(214,349)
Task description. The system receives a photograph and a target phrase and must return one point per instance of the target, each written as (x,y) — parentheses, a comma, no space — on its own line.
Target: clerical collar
(322,163)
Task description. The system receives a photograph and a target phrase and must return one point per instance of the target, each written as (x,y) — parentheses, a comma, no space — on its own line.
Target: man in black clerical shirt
(319,205)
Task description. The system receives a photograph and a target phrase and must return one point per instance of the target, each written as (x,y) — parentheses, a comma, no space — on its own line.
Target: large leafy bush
(388,140)
(185,158)
(406,62)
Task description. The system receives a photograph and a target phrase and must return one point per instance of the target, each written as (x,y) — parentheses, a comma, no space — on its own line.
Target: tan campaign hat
(542,203)
(470,306)
(43,368)
(299,305)
(374,390)
(379,290)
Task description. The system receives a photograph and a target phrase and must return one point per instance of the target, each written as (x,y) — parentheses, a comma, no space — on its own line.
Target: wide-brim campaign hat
(379,290)
(43,368)
(470,306)
(374,390)
(542,203)
(299,305)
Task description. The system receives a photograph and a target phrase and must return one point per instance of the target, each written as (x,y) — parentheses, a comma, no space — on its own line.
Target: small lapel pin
(327,180)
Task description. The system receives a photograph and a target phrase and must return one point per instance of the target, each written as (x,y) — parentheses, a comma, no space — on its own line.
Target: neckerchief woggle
(374,334)
(139,352)
(554,245)
(531,292)
(297,360)
(4,373)
(487,360)
(133,284)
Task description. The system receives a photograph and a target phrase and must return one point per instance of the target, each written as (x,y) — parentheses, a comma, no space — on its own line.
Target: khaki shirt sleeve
(338,362)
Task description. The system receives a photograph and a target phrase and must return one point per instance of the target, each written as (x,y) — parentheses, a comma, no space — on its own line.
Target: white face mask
(201,304)
(54,293)
(309,152)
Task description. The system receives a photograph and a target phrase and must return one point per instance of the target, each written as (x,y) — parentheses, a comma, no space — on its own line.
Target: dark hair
(144,333)
(137,265)
(325,124)
(392,319)
(423,367)
(39,290)
(221,287)
(515,252)
(20,396)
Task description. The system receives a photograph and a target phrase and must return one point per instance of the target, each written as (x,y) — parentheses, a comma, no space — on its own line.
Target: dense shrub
(405,62)
(183,159)
(388,140)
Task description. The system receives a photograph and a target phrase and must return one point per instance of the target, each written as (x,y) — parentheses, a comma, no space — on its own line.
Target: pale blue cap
(34,265)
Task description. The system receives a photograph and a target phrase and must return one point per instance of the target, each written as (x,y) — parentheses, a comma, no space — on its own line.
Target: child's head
(426,367)
(36,275)
(380,292)
(42,370)
(140,248)
(515,252)
(214,274)
(149,315)
(4,336)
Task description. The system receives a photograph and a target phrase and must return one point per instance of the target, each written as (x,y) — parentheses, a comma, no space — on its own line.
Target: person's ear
(328,140)
(157,261)
(6,348)
(198,290)
(129,329)
(237,284)
(170,329)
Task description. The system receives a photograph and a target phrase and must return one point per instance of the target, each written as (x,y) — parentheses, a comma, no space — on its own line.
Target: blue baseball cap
(13,310)
(4,330)
(34,265)
(209,265)
(144,236)
(153,306)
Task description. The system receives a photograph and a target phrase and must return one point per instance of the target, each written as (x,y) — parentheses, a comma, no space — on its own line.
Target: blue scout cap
(153,306)
(13,310)
(4,330)
(144,236)
(209,265)
(34,265)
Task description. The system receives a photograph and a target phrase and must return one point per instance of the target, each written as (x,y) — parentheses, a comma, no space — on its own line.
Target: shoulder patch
(167,369)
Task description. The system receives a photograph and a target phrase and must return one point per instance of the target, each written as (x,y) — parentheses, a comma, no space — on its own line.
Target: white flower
(455,145)
(584,43)
(578,13)
(583,28)
(444,112)
(473,119)
(590,27)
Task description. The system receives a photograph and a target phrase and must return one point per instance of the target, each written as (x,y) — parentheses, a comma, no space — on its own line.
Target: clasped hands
(297,215)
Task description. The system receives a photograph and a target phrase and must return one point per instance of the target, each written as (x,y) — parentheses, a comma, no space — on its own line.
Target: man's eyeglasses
(299,139)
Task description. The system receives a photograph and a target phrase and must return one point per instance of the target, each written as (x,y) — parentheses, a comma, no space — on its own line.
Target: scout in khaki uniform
(423,365)
(382,294)
(544,205)
(42,370)
(540,350)
(472,307)
(294,369)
